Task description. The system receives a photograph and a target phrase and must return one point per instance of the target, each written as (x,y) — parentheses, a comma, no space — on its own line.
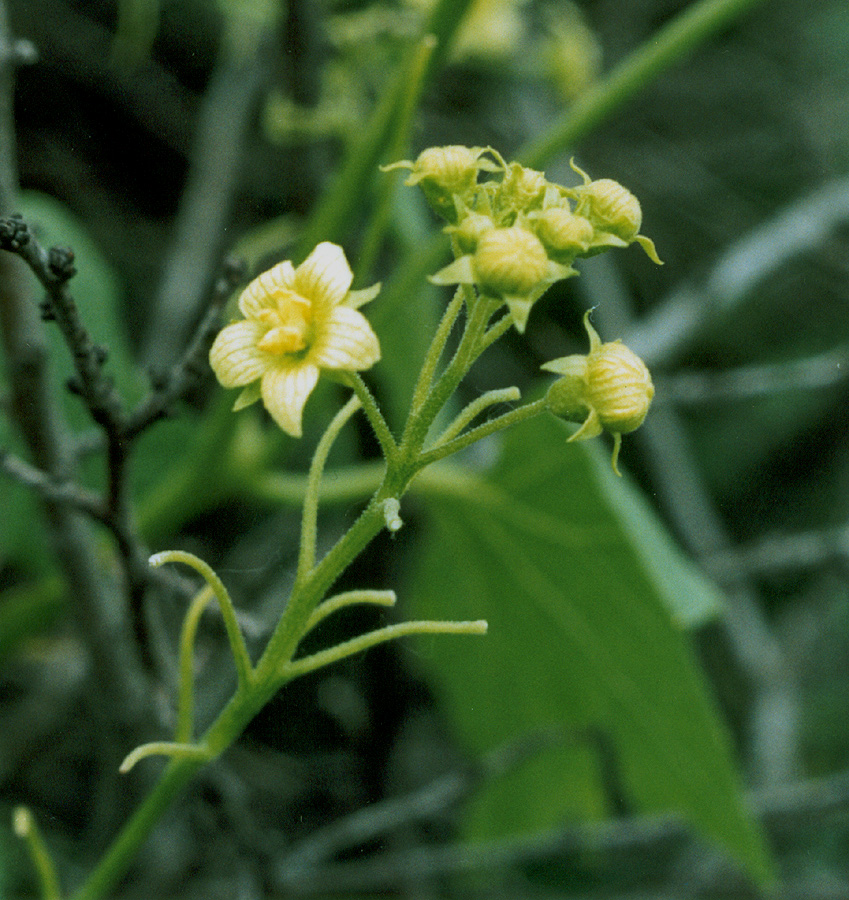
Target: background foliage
(665,653)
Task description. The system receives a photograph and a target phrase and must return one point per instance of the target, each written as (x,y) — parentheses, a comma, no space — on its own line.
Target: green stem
(174,749)
(474,409)
(499,329)
(476,434)
(244,669)
(373,414)
(437,346)
(232,720)
(467,352)
(306,595)
(309,522)
(342,200)
(669,45)
(26,828)
(356,645)
(186,701)
(349,598)
(120,854)
(395,150)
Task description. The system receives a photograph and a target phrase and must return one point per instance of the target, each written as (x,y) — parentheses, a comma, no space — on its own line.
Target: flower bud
(613,208)
(610,388)
(509,261)
(453,168)
(619,387)
(522,188)
(469,230)
(444,173)
(562,231)
(567,397)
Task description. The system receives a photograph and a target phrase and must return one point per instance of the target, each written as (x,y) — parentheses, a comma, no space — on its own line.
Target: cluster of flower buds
(514,234)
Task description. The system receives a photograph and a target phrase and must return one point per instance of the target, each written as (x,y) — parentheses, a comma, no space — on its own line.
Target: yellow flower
(297,322)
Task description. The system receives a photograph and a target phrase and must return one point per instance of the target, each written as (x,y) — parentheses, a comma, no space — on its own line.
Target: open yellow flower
(297,322)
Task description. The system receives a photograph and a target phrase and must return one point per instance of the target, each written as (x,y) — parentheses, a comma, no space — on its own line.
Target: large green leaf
(585,597)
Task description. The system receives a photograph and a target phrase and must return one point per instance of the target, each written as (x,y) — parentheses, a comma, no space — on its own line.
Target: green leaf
(585,597)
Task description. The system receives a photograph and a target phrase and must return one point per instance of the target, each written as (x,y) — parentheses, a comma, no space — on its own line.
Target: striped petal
(234,355)
(324,277)
(284,392)
(262,292)
(346,341)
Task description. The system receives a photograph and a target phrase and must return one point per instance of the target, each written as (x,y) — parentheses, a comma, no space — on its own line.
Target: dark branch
(60,492)
(54,268)
(192,367)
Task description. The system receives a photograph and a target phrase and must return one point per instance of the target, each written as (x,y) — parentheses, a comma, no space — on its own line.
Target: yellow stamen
(283,339)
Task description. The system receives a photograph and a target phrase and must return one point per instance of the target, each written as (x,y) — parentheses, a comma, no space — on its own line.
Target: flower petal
(284,392)
(346,341)
(234,355)
(324,277)
(262,292)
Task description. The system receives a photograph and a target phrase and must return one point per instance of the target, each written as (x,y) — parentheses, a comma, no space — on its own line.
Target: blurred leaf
(27,610)
(135,31)
(577,581)
(21,535)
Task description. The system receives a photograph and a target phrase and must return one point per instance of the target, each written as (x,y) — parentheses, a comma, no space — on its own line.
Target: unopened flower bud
(619,387)
(610,386)
(522,188)
(452,168)
(469,230)
(509,261)
(562,231)
(444,173)
(613,208)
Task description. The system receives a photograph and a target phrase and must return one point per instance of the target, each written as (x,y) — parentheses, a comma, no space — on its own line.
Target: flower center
(288,325)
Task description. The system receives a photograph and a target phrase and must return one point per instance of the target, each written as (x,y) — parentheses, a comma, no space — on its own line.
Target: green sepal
(249,396)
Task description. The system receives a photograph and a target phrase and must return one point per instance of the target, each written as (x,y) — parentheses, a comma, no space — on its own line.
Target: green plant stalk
(349,598)
(443,23)
(186,700)
(333,654)
(26,828)
(309,521)
(174,749)
(437,346)
(514,417)
(415,433)
(244,669)
(665,48)
(239,711)
(373,414)
(474,409)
